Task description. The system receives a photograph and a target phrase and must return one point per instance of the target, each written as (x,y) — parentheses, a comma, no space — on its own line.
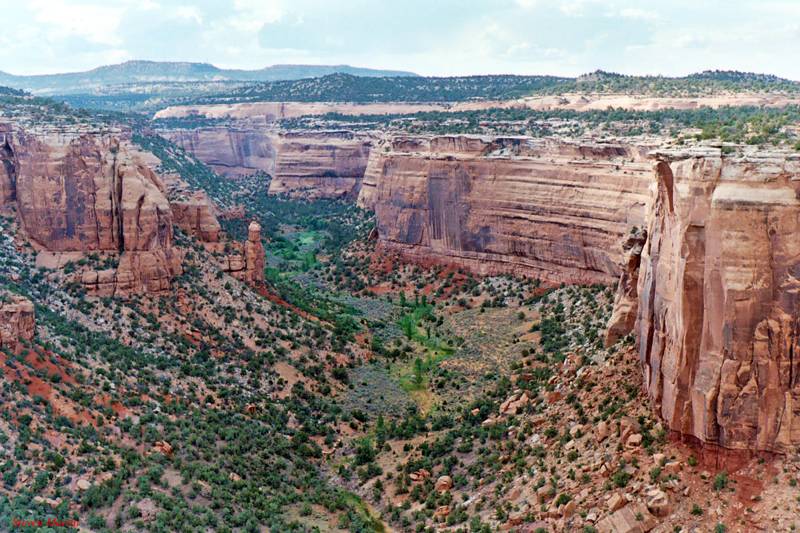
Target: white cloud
(97,23)
(188,13)
(251,15)
(636,13)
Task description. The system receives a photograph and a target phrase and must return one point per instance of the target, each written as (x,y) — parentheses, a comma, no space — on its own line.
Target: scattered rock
(601,431)
(443,484)
(163,447)
(634,440)
(658,502)
(441,512)
(419,476)
(83,484)
(615,502)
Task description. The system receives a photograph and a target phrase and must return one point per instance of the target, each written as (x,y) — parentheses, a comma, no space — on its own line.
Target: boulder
(658,502)
(443,484)
(633,518)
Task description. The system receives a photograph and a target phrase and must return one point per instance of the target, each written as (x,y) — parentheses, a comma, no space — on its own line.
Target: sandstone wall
(230,150)
(508,205)
(719,298)
(78,192)
(324,164)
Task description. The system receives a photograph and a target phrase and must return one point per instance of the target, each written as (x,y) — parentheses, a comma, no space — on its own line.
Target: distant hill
(346,88)
(341,87)
(138,72)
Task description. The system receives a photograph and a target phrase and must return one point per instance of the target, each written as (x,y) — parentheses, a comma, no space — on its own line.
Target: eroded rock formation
(247,260)
(92,193)
(719,298)
(195,214)
(325,164)
(626,301)
(536,207)
(17,320)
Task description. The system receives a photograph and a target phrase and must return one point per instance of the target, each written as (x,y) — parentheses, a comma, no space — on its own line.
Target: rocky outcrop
(232,150)
(17,321)
(8,167)
(543,208)
(719,298)
(93,193)
(323,164)
(195,214)
(246,261)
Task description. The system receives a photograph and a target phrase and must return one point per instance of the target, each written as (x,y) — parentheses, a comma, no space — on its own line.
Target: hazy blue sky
(444,37)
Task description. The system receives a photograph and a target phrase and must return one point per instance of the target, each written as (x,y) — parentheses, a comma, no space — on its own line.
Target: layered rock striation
(232,150)
(542,208)
(323,164)
(719,298)
(82,192)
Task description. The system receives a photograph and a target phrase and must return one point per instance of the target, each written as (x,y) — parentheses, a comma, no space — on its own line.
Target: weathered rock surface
(195,214)
(719,298)
(324,164)
(518,205)
(17,320)
(232,150)
(92,193)
(247,261)
(626,300)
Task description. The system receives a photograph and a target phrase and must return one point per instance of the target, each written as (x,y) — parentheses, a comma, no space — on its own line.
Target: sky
(429,37)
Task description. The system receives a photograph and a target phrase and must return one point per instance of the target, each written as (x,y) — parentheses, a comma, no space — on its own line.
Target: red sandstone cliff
(323,164)
(519,205)
(719,298)
(236,150)
(91,193)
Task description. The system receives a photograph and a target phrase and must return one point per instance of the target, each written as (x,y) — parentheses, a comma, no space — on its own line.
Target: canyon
(303,164)
(700,248)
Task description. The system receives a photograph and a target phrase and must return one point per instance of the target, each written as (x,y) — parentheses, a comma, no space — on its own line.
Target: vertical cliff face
(508,205)
(719,298)
(92,193)
(325,164)
(230,150)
